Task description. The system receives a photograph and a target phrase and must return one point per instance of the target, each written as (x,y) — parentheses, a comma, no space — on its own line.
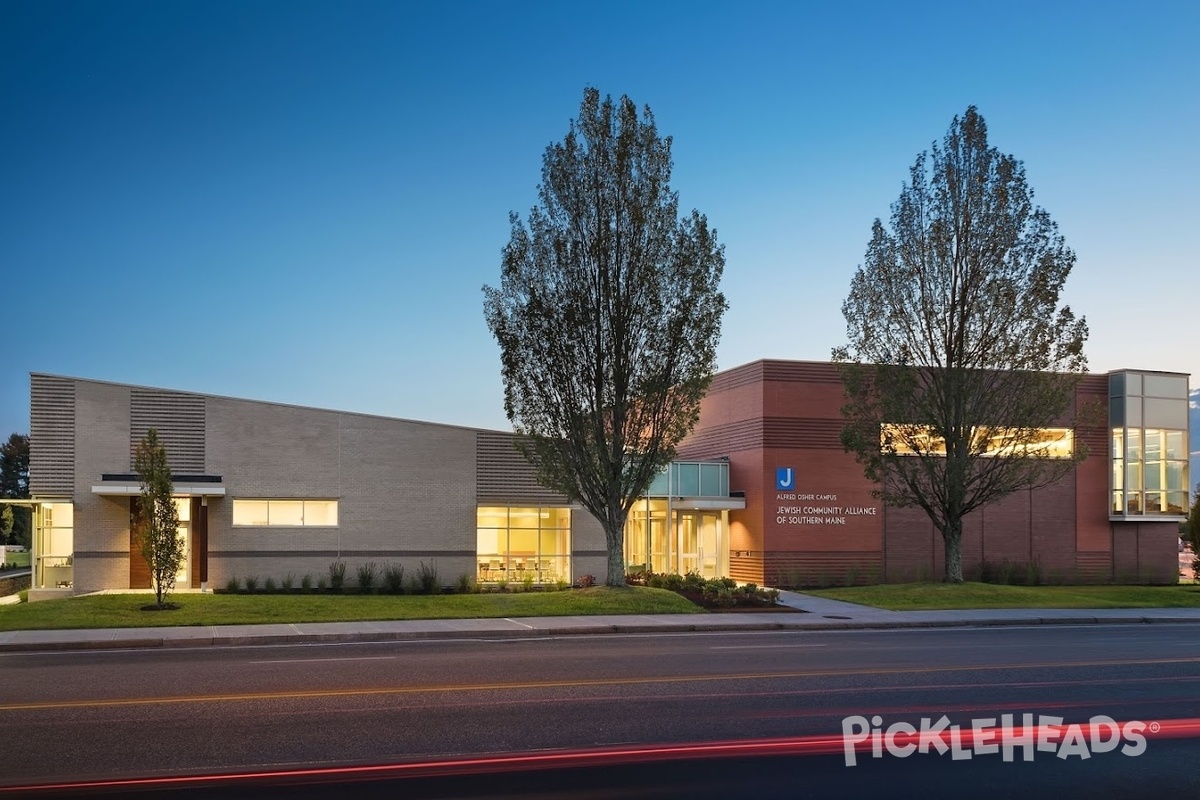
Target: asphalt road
(678,715)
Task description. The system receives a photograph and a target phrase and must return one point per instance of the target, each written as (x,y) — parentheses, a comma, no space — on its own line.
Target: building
(763,492)
(810,516)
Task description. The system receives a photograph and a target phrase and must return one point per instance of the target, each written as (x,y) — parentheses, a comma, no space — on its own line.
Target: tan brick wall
(101,523)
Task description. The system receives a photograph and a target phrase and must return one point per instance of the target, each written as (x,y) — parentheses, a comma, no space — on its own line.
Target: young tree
(157,521)
(960,357)
(14,483)
(608,315)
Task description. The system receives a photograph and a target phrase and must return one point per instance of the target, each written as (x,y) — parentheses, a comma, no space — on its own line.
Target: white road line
(762,646)
(310,660)
(522,624)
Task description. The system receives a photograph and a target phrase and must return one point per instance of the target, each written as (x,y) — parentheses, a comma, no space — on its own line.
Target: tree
(14,484)
(6,523)
(1190,532)
(607,316)
(157,519)
(960,357)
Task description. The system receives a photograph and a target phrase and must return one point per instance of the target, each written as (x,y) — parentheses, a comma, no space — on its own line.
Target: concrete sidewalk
(822,614)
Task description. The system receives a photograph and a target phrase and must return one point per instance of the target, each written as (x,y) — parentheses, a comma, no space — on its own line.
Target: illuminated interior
(517,543)
(286,513)
(988,442)
(54,545)
(1149,445)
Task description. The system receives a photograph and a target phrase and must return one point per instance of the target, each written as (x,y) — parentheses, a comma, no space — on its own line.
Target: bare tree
(608,315)
(960,359)
(157,522)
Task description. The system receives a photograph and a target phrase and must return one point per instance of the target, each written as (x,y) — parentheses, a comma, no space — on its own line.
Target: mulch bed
(698,599)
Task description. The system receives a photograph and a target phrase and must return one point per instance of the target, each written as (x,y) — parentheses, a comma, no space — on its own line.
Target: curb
(543,633)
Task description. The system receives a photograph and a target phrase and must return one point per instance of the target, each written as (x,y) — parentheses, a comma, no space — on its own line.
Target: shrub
(466,585)
(693,582)
(366,576)
(655,581)
(587,581)
(321,583)
(337,575)
(1033,573)
(251,584)
(393,578)
(502,584)
(289,583)
(306,583)
(527,582)
(269,586)
(427,577)
(231,585)
(562,584)
(639,576)
(673,583)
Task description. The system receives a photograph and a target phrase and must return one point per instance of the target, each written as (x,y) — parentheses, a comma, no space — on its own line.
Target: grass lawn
(17,559)
(123,610)
(929,596)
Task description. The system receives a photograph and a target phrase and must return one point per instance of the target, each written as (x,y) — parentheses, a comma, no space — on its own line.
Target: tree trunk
(616,556)
(952,536)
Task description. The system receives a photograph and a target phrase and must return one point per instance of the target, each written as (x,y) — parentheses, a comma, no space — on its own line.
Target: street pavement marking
(338,659)
(562,684)
(761,646)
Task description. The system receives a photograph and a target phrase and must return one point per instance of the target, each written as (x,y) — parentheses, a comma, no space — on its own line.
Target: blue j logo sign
(785,479)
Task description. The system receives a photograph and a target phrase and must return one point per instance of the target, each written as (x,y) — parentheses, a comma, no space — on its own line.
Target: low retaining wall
(11,584)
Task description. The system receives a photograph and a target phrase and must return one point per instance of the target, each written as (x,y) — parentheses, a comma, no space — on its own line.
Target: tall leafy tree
(607,315)
(14,483)
(960,355)
(157,520)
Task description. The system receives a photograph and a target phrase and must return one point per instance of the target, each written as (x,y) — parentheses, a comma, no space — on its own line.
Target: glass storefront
(682,525)
(516,543)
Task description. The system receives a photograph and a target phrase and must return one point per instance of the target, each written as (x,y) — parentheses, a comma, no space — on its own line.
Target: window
(909,440)
(517,543)
(286,513)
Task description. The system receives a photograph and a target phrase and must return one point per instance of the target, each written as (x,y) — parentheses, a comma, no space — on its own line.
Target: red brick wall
(771,414)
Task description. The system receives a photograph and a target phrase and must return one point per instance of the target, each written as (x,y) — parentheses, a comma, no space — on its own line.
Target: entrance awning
(708,503)
(125,485)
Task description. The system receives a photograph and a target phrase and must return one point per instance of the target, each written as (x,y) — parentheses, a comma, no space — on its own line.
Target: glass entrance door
(700,543)
(183,506)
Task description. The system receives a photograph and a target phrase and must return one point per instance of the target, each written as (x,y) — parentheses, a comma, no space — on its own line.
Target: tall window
(54,546)
(286,513)
(1148,414)
(515,543)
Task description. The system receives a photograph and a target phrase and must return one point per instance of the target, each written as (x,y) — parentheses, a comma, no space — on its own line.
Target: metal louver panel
(179,419)
(504,476)
(51,436)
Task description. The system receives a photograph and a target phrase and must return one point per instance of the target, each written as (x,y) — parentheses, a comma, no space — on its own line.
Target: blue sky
(300,201)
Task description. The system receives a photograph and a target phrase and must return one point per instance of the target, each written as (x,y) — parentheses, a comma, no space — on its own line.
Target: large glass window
(54,546)
(514,543)
(988,442)
(1149,445)
(286,513)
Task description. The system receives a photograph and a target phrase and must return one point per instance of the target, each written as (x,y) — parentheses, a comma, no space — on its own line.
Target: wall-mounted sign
(785,479)
(817,509)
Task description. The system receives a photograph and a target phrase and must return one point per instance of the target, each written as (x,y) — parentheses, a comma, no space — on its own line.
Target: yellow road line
(492,687)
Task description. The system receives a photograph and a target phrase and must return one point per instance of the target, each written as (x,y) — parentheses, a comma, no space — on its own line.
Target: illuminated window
(909,440)
(1149,445)
(286,513)
(516,543)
